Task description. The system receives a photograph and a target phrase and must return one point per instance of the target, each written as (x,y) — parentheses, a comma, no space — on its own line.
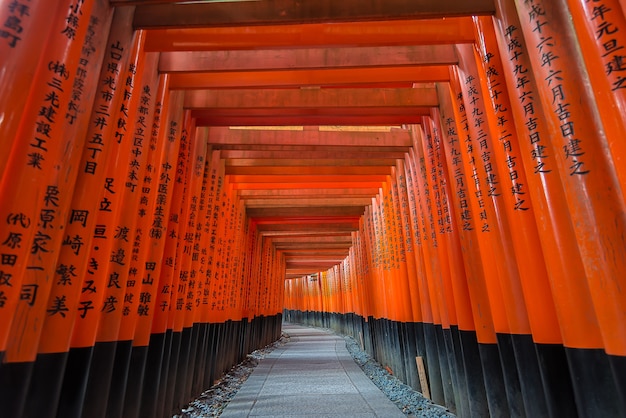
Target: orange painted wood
(299,193)
(144,144)
(304,153)
(120,230)
(37,186)
(408,240)
(309,77)
(512,164)
(145,209)
(283,59)
(171,131)
(596,205)
(22,41)
(307,202)
(346,162)
(308,171)
(401,118)
(310,11)
(169,289)
(555,231)
(430,240)
(499,176)
(344,34)
(602,42)
(284,99)
(467,207)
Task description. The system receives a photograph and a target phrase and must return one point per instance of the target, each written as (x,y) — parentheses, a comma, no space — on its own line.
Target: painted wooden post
(172,133)
(26,28)
(44,190)
(601,40)
(592,191)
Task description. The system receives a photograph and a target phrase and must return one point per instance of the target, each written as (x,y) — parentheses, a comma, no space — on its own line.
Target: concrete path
(313,375)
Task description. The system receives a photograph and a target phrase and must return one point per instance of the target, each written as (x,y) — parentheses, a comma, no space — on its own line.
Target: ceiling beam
(296,193)
(353,179)
(313,35)
(311,171)
(308,77)
(282,99)
(309,211)
(273,12)
(314,120)
(293,59)
(232,163)
(304,240)
(312,137)
(307,154)
(310,201)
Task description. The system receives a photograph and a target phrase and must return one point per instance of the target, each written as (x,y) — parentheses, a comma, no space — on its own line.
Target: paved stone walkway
(313,375)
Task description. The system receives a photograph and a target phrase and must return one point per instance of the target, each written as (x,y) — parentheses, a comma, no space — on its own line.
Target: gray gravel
(213,401)
(410,401)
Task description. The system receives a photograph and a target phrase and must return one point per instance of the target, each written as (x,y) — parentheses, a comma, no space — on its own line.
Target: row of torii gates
(443,180)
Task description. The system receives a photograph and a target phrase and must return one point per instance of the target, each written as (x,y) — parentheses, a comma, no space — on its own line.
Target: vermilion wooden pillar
(36,190)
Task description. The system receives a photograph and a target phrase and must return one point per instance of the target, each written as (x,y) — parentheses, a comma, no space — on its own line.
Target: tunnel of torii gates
(441,179)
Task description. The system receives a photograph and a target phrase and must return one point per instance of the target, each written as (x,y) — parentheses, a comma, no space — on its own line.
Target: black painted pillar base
(529,372)
(14,383)
(462,396)
(45,385)
(119,379)
(556,380)
(171,374)
(148,398)
(618,366)
(495,388)
(512,385)
(134,385)
(594,387)
(163,381)
(99,382)
(474,378)
(74,388)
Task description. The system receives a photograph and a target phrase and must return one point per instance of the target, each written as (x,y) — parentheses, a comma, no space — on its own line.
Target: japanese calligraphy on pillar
(504,128)
(460,179)
(612,48)
(491,179)
(78,84)
(545,41)
(526,98)
(12,28)
(141,170)
(438,179)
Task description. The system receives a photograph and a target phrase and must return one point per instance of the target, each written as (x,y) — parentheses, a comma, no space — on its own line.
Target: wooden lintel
(296,193)
(314,120)
(328,250)
(379,151)
(286,12)
(309,77)
(303,170)
(293,59)
(339,35)
(296,185)
(311,211)
(307,179)
(308,154)
(311,201)
(395,138)
(290,240)
(285,99)
(347,161)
